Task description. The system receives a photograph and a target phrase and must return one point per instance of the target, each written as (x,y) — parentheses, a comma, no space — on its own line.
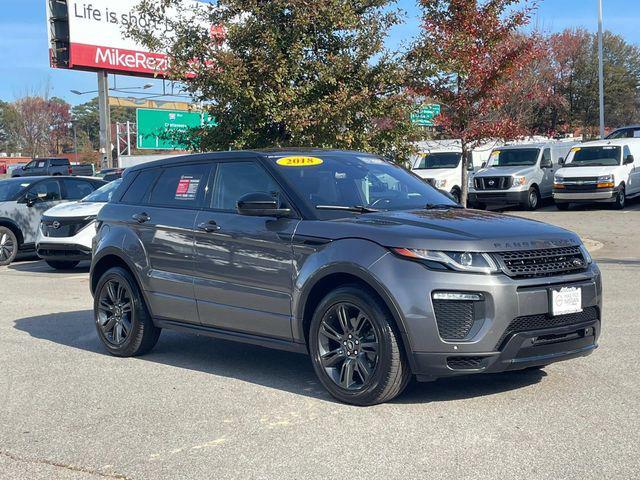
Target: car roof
(620,142)
(239,154)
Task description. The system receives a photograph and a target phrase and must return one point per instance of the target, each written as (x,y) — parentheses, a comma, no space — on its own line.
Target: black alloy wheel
(348,346)
(115,312)
(8,246)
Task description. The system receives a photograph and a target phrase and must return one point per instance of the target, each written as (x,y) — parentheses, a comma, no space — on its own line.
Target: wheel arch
(13,226)
(109,258)
(333,277)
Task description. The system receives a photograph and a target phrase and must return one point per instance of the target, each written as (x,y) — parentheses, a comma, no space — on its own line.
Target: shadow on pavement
(41,266)
(286,371)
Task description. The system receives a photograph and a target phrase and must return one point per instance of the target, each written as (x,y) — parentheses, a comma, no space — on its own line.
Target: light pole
(600,69)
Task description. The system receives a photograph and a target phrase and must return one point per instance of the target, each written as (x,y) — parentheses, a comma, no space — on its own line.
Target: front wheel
(61,264)
(355,348)
(621,199)
(8,246)
(533,199)
(123,323)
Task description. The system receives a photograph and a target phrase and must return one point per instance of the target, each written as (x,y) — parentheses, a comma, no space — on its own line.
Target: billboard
(91,36)
(153,126)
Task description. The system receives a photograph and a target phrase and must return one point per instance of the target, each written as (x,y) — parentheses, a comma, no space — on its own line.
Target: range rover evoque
(375,274)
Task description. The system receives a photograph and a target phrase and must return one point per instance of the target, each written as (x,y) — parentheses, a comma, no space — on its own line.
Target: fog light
(460,296)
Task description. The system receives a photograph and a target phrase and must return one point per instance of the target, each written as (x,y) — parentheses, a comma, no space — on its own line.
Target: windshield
(356,181)
(519,157)
(104,193)
(594,157)
(9,189)
(439,160)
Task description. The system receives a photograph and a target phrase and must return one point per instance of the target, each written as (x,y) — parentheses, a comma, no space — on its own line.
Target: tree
(86,119)
(289,73)
(466,58)
(8,128)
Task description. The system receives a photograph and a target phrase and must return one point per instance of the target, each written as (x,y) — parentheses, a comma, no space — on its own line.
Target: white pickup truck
(605,171)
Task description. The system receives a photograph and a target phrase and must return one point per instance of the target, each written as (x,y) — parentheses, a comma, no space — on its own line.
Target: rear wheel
(355,348)
(122,319)
(8,246)
(61,264)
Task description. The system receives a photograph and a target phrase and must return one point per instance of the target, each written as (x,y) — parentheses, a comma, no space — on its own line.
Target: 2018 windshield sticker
(187,188)
(299,161)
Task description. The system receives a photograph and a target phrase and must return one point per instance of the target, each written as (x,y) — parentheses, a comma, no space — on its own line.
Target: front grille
(542,263)
(493,183)
(466,363)
(64,227)
(545,321)
(455,318)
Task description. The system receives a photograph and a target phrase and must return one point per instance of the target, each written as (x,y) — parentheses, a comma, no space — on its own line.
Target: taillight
(70,170)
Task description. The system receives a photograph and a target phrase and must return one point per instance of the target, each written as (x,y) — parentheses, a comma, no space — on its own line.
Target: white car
(442,168)
(601,171)
(66,231)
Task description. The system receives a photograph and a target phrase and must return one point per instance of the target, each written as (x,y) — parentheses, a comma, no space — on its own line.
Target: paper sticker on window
(187,187)
(299,161)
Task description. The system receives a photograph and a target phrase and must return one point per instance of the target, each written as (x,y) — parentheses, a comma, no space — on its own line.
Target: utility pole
(105,120)
(600,69)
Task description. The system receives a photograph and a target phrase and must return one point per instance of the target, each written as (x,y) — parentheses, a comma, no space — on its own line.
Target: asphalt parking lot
(202,408)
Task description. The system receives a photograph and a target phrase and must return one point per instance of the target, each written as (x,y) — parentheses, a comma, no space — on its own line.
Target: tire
(533,199)
(621,199)
(350,371)
(455,193)
(8,246)
(122,319)
(563,207)
(61,264)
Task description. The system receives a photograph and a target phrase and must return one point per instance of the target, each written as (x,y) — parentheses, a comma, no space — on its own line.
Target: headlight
(441,183)
(586,254)
(459,261)
(519,181)
(605,181)
(558,179)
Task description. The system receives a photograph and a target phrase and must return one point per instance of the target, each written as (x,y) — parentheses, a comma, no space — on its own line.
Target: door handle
(141,217)
(210,226)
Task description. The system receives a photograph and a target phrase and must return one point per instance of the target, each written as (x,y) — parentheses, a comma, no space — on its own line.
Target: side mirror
(31,198)
(628,160)
(546,163)
(484,165)
(470,167)
(261,204)
(560,161)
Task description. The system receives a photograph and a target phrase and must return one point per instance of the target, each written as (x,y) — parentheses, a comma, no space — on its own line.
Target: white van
(600,171)
(520,174)
(442,168)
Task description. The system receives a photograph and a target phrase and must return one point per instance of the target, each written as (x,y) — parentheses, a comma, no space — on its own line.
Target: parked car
(519,174)
(442,168)
(52,166)
(110,174)
(67,230)
(606,171)
(632,131)
(24,200)
(14,166)
(3,168)
(354,260)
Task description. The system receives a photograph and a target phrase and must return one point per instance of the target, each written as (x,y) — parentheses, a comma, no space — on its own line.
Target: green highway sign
(425,115)
(155,127)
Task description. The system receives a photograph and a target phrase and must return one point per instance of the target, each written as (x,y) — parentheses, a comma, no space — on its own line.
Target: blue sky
(24,63)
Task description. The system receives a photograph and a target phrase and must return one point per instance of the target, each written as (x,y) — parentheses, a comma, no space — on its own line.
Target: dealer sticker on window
(187,188)
(566,300)
(299,161)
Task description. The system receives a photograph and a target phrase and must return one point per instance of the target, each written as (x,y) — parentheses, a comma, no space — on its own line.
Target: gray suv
(356,261)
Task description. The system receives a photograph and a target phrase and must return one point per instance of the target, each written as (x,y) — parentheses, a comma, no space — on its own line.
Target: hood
(437,173)
(75,209)
(447,229)
(505,171)
(572,172)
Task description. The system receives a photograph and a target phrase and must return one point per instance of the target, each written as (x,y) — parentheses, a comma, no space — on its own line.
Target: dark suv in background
(373,272)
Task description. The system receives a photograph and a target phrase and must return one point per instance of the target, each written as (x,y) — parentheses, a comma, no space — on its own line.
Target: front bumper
(492,345)
(498,197)
(75,248)
(594,196)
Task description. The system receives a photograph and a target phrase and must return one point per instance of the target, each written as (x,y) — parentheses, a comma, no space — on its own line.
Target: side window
(236,179)
(181,186)
(59,162)
(546,155)
(625,152)
(41,164)
(47,191)
(77,189)
(137,191)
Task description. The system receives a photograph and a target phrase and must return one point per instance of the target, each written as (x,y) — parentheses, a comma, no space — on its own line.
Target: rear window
(181,186)
(137,191)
